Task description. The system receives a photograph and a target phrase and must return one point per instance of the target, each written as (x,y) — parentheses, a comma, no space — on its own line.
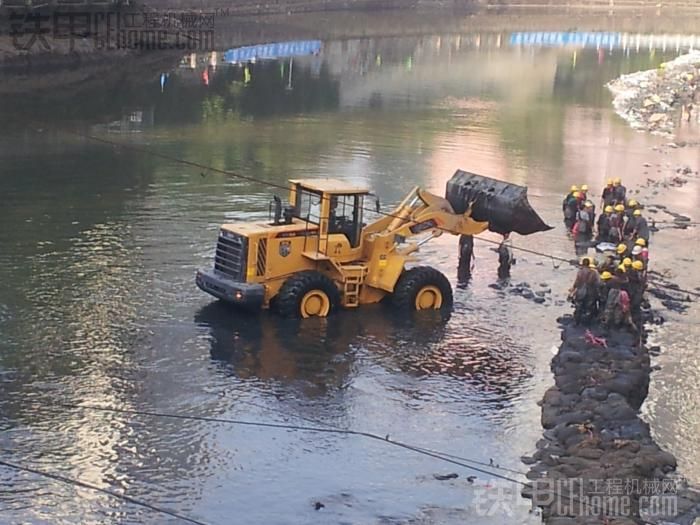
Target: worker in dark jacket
(584,292)
(608,198)
(619,192)
(603,289)
(466,257)
(609,264)
(617,224)
(590,209)
(641,228)
(570,207)
(582,229)
(630,225)
(604,225)
(505,257)
(637,278)
(632,205)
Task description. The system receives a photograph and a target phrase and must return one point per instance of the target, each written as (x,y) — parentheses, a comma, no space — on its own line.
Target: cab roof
(335,186)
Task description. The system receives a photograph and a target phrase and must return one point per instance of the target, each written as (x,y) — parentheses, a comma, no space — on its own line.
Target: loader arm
(421,214)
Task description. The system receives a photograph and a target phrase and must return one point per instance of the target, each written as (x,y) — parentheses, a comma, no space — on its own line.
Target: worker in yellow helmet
(603,289)
(584,292)
(570,207)
(622,252)
(637,286)
(608,197)
(638,228)
(617,311)
(604,224)
(584,191)
(619,191)
(590,209)
(583,227)
(617,224)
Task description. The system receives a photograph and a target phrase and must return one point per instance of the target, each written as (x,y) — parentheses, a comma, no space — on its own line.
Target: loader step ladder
(316,256)
(354,275)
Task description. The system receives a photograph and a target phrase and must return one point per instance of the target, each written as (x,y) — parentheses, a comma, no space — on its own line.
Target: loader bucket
(503,205)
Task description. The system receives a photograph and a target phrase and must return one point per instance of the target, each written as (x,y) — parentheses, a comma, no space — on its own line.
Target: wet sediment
(597,462)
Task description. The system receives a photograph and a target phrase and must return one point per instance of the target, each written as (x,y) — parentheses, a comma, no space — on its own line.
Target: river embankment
(658,100)
(597,461)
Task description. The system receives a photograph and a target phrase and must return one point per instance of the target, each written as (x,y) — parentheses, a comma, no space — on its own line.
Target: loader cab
(334,206)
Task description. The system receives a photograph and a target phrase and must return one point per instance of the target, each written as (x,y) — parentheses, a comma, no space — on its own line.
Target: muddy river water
(99,245)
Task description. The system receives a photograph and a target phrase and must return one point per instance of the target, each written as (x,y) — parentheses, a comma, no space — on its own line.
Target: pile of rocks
(653,100)
(524,290)
(597,454)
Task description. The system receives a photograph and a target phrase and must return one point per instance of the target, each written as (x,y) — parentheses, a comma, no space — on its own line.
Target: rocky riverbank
(658,99)
(597,462)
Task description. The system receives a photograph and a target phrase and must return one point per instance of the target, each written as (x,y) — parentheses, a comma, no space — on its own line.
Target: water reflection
(319,353)
(361,72)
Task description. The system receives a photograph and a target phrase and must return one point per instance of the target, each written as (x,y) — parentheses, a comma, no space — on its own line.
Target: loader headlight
(238,295)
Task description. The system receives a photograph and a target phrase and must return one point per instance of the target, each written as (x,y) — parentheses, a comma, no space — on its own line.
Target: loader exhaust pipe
(502,204)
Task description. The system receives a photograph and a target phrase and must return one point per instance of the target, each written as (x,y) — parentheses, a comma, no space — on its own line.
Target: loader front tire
(307,294)
(422,288)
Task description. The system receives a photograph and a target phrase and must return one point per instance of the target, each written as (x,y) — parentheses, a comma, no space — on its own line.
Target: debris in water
(445,477)
(655,100)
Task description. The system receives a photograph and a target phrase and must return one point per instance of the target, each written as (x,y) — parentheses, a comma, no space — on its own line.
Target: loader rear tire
(307,294)
(422,288)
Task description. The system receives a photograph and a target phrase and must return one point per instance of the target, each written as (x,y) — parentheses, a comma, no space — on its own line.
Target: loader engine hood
(503,205)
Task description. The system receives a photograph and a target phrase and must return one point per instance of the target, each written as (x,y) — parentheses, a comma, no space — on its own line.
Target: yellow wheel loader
(316,254)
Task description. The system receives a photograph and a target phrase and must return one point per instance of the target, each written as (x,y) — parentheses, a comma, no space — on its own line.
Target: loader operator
(339,223)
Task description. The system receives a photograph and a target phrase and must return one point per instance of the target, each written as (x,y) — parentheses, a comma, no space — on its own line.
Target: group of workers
(610,291)
(622,220)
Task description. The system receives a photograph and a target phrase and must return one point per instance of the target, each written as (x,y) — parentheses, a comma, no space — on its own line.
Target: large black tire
(291,299)
(422,279)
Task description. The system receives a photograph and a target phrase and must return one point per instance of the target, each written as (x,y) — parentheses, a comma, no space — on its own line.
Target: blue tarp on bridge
(565,39)
(274,50)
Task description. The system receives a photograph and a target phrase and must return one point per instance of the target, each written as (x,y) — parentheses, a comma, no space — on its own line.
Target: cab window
(345,217)
(308,205)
